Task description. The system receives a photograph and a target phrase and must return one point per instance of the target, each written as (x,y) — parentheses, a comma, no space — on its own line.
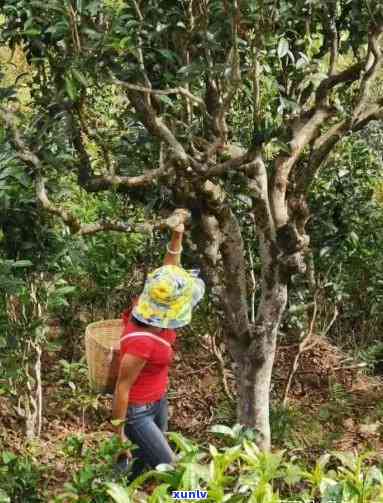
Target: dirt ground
(332,404)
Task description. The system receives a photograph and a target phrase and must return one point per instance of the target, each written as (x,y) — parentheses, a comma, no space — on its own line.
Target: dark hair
(139,323)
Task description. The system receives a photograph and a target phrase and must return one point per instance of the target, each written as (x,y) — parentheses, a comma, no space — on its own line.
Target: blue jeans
(145,427)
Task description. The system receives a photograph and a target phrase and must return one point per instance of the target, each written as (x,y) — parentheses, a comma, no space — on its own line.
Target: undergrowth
(235,472)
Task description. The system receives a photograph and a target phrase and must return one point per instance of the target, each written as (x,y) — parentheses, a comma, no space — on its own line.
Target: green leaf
(93,7)
(32,32)
(4,498)
(237,429)
(251,450)
(4,185)
(117,422)
(80,77)
(324,251)
(164,467)
(65,290)
(16,173)
(70,87)
(7,93)
(301,63)
(375,475)
(213,450)
(184,70)
(72,385)
(92,33)
(354,237)
(324,459)
(190,70)
(166,99)
(79,6)
(22,263)
(169,55)
(324,413)
(283,47)
(293,474)
(291,56)
(8,8)
(5,173)
(222,430)
(8,457)
(47,6)
(58,29)
(181,442)
(161,493)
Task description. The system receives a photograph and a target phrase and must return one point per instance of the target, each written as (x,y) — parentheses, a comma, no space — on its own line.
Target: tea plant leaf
(118,493)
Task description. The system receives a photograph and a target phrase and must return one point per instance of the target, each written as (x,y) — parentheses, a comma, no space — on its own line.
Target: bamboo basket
(102,347)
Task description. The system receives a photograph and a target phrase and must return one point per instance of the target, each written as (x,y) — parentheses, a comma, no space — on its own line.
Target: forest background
(262,118)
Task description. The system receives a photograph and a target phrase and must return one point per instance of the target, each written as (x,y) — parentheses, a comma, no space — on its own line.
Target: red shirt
(152,382)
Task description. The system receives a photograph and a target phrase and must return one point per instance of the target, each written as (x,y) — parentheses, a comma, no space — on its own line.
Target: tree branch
(157,127)
(238,162)
(70,220)
(164,92)
(330,8)
(351,74)
(360,116)
(321,149)
(113,225)
(79,229)
(259,191)
(99,183)
(233,253)
(370,113)
(306,131)
(235,67)
(73,223)
(371,69)
(303,133)
(325,143)
(303,346)
(216,126)
(75,226)
(213,237)
(85,168)
(140,52)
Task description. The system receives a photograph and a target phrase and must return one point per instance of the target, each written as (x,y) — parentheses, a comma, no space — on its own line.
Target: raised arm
(174,247)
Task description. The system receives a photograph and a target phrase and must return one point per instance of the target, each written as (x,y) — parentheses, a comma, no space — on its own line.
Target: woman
(170,293)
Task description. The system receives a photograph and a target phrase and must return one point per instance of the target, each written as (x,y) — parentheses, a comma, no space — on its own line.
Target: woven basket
(102,346)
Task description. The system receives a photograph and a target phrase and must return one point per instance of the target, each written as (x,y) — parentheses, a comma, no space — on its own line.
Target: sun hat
(169,296)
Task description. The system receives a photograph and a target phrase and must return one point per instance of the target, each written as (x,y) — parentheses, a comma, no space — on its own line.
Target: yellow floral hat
(170,293)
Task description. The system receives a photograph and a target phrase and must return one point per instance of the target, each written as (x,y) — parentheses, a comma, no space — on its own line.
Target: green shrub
(88,482)
(372,356)
(239,472)
(19,479)
(282,422)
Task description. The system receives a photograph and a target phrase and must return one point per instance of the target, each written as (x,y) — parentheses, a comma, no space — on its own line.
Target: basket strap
(147,334)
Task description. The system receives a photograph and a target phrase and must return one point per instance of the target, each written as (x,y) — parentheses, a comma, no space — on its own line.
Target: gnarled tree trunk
(255,364)
(251,345)
(254,359)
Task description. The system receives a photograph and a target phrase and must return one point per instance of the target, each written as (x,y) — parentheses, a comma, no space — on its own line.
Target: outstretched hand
(176,222)
(180,228)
